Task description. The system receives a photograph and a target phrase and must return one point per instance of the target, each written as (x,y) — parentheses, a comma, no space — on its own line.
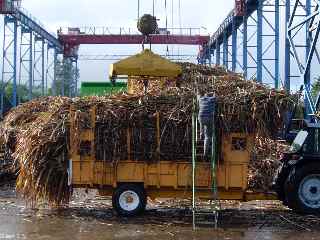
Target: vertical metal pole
(3,87)
(287,50)
(30,83)
(138,10)
(55,62)
(72,80)
(259,40)
(47,70)
(76,77)
(42,69)
(63,77)
(225,50)
(234,45)
(194,164)
(217,53)
(308,41)
(245,46)
(15,53)
(277,45)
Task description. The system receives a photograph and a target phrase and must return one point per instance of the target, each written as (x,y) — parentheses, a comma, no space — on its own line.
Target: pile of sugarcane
(38,132)
(264,163)
(37,136)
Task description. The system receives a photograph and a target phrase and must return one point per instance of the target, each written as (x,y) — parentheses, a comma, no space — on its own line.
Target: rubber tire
(279,182)
(292,184)
(139,190)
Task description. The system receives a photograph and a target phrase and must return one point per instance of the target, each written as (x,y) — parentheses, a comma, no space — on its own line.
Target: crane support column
(217,53)
(55,63)
(245,47)
(43,85)
(259,40)
(9,64)
(234,45)
(308,40)
(287,71)
(26,55)
(277,45)
(225,50)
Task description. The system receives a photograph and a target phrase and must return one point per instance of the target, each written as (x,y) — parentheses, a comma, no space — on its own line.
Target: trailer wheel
(129,200)
(303,189)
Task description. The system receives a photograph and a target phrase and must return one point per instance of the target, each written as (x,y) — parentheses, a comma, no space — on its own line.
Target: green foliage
(315,88)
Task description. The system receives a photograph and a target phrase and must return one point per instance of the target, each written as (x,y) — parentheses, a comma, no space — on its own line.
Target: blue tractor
(297,182)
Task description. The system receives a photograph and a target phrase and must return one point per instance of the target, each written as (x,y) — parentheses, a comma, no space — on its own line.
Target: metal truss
(26,56)
(117,57)
(9,64)
(39,65)
(50,79)
(303,30)
(24,64)
(259,49)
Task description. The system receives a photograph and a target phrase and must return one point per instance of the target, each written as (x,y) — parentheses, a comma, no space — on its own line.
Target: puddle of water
(93,219)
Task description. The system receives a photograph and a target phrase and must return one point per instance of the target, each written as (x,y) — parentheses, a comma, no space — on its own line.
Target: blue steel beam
(9,64)
(277,44)
(38,65)
(234,46)
(245,46)
(225,50)
(258,44)
(311,33)
(259,40)
(12,21)
(26,59)
(217,53)
(28,21)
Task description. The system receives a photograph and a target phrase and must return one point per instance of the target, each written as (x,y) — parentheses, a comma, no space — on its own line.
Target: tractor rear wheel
(302,189)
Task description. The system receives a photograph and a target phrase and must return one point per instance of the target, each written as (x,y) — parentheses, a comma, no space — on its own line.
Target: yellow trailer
(130,182)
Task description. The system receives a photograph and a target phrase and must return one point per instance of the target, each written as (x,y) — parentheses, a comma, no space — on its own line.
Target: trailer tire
(302,189)
(129,200)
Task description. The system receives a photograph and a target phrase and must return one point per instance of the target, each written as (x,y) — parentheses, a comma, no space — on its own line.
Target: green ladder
(214,207)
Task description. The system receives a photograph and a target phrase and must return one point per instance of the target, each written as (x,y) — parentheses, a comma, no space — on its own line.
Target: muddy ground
(91,217)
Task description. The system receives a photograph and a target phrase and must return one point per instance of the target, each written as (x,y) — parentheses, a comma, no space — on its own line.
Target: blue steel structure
(25,65)
(250,42)
(265,31)
(259,33)
(303,28)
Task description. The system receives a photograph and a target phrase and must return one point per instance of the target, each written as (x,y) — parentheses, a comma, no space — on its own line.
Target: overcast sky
(207,14)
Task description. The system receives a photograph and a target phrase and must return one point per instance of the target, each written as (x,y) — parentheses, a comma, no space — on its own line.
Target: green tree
(315,88)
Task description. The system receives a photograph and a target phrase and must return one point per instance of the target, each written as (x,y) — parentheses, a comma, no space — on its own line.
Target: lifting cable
(166,9)
(172,22)
(138,10)
(153,8)
(180,23)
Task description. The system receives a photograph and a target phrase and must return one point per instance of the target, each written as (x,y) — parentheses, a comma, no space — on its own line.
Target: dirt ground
(90,217)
